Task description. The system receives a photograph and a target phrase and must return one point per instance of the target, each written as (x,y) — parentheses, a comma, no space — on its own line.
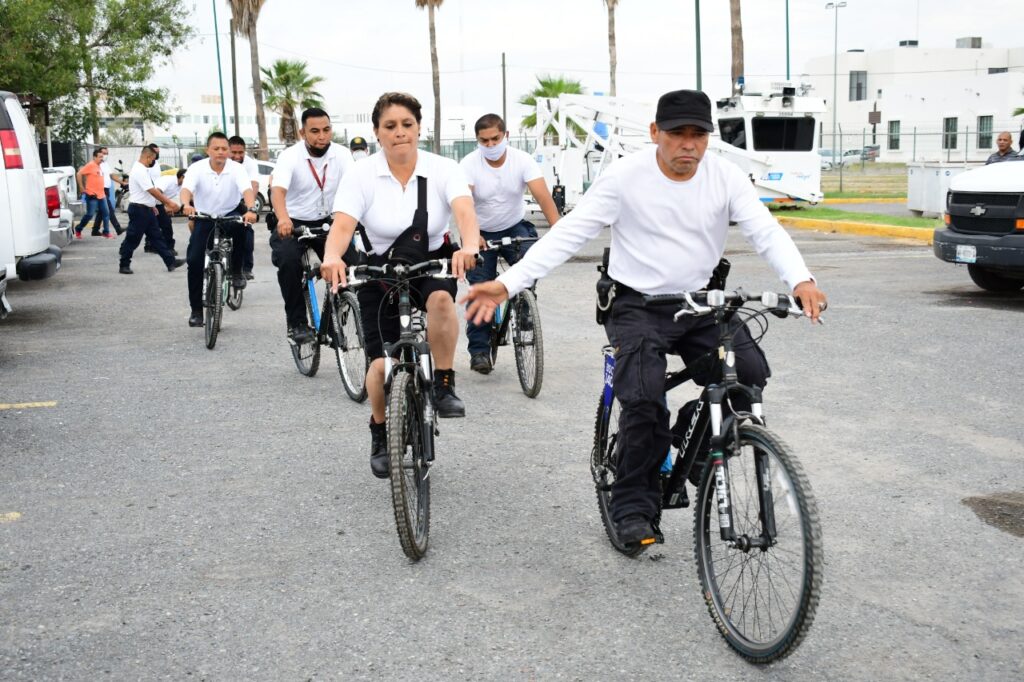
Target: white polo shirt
(666,236)
(216,193)
(140,181)
(168,184)
(370,193)
(252,169)
(498,192)
(108,182)
(294,173)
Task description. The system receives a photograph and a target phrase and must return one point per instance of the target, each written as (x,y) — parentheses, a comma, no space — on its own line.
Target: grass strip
(822,213)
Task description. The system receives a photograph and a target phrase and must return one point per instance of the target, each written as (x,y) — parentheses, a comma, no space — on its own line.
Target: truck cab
(985,225)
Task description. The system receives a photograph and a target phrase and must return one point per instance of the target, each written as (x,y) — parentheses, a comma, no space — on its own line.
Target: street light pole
(787,39)
(696,7)
(220,75)
(834,6)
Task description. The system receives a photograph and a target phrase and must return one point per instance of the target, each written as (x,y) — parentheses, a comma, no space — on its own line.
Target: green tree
(244,15)
(119,134)
(613,62)
(549,87)
(430,5)
(288,87)
(84,55)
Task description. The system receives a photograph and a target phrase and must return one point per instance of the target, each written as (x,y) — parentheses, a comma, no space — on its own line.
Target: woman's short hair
(402,99)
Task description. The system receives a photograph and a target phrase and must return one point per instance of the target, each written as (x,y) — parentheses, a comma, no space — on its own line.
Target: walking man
(90,182)
(108,185)
(498,176)
(236,148)
(144,197)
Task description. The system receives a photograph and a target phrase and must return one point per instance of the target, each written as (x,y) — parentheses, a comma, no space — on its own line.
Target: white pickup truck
(985,225)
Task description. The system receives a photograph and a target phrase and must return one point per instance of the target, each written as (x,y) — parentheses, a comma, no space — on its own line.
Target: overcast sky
(365,48)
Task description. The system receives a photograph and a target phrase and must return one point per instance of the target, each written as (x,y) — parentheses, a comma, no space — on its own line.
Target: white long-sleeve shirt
(666,236)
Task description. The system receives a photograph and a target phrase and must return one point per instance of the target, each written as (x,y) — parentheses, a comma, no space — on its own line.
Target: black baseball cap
(358,143)
(684,108)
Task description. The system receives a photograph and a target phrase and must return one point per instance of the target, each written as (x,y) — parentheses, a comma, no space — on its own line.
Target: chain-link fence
(895,143)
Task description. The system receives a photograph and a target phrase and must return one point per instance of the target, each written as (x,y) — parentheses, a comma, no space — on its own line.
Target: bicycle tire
(213,303)
(496,337)
(349,345)
(528,342)
(410,483)
(731,578)
(307,355)
(235,297)
(603,463)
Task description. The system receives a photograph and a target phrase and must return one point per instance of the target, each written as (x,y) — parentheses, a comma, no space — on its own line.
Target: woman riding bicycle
(669,208)
(404,197)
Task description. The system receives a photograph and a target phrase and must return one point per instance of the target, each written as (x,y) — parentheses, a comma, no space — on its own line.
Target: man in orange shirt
(90,181)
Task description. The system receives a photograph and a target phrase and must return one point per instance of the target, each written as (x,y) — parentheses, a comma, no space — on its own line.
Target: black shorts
(378,305)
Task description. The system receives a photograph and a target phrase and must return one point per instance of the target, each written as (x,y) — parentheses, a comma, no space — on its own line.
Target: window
(265,169)
(858,85)
(206,119)
(733,132)
(997,69)
(783,134)
(949,133)
(984,132)
(231,119)
(894,135)
(179,119)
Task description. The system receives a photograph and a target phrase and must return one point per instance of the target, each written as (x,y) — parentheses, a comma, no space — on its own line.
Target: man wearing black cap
(669,208)
(359,148)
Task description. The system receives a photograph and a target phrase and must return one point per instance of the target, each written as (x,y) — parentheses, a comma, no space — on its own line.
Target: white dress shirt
(216,193)
(666,236)
(498,192)
(140,181)
(372,195)
(305,199)
(252,169)
(168,184)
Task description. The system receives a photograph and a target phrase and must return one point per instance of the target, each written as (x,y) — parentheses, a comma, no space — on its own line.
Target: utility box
(928,184)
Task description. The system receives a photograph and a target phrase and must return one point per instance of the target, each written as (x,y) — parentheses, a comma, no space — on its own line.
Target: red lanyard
(319,182)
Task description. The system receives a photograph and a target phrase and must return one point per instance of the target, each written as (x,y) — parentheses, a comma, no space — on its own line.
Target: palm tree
(737,43)
(549,87)
(612,60)
(430,5)
(289,87)
(244,15)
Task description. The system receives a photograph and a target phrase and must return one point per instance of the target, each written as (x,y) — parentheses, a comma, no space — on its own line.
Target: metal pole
(220,76)
(840,157)
(835,85)
(787,39)
(504,91)
(696,5)
(913,154)
(234,82)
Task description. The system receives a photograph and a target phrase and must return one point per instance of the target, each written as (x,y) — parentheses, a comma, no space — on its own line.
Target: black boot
(379,449)
(446,402)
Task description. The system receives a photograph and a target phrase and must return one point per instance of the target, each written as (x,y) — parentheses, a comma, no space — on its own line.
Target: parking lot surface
(167,511)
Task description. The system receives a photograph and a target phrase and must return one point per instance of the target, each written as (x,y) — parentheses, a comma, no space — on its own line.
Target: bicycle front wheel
(604,462)
(235,297)
(307,355)
(762,599)
(213,303)
(528,342)
(349,351)
(410,485)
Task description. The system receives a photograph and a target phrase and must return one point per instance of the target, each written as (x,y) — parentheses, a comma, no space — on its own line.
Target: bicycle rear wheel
(307,355)
(235,297)
(349,351)
(762,600)
(528,342)
(410,485)
(213,302)
(604,459)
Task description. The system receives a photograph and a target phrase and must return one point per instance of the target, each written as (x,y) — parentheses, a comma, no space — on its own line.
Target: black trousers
(642,338)
(286,255)
(196,256)
(163,219)
(142,222)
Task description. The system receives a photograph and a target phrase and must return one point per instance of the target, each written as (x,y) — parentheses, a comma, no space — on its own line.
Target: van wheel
(259,203)
(992,281)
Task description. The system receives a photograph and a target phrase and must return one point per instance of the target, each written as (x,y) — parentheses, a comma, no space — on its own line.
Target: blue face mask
(496,152)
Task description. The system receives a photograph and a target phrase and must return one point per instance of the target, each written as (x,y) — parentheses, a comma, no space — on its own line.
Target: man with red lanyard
(305,181)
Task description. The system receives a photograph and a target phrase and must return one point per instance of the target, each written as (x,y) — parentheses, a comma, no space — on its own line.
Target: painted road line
(921,234)
(10,517)
(25,406)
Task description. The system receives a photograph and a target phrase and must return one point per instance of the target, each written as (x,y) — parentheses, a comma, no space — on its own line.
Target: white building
(932,104)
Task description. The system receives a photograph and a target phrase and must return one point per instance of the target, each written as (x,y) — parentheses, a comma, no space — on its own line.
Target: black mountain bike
(757,539)
(409,386)
(336,323)
(218,288)
(519,317)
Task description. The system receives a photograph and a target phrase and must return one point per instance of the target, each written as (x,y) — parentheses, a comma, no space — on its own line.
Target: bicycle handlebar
(218,218)
(438,268)
(704,302)
(508,241)
(310,231)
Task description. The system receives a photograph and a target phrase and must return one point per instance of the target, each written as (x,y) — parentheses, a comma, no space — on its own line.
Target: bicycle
(409,390)
(757,538)
(218,288)
(336,323)
(520,315)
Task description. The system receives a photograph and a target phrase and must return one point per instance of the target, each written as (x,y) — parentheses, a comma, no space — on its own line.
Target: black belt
(135,203)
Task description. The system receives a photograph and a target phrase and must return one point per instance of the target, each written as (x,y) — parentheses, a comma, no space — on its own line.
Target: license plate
(966,254)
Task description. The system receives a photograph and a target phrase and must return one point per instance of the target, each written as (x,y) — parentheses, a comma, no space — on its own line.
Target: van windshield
(783,134)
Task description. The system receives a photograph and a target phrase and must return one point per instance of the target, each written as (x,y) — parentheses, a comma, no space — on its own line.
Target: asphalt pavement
(170,512)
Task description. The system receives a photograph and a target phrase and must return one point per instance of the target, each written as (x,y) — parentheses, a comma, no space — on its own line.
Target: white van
(25,248)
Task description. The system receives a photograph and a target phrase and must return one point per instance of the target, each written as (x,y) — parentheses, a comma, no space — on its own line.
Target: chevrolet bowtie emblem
(978,210)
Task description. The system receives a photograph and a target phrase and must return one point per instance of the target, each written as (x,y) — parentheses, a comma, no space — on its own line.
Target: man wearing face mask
(360,149)
(305,181)
(498,176)
(162,219)
(144,197)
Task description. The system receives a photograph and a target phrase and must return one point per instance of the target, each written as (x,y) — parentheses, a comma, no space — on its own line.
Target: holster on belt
(605,290)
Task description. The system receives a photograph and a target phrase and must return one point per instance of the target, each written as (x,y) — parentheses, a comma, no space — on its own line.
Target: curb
(865,200)
(921,234)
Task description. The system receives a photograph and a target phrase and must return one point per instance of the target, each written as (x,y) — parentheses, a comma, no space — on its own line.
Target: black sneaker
(125,270)
(480,362)
(379,449)
(635,530)
(177,263)
(301,334)
(446,402)
(248,274)
(238,281)
(196,318)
